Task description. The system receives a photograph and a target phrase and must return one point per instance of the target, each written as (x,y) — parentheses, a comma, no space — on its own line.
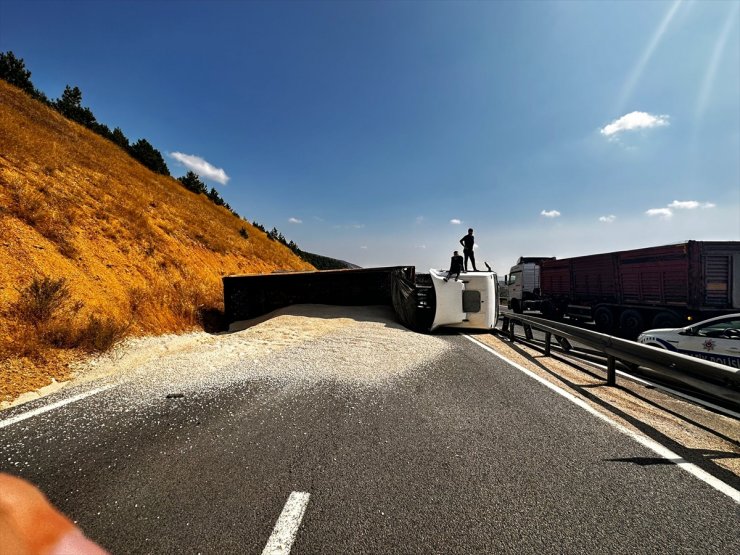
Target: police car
(717,340)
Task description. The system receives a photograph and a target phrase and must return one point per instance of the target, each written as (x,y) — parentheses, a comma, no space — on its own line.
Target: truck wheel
(516,306)
(666,319)
(631,323)
(551,312)
(604,319)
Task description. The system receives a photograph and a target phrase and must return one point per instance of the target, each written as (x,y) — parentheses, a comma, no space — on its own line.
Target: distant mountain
(324,262)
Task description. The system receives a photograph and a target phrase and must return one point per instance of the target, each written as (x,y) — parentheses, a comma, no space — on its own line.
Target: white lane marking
(47,408)
(651,444)
(283,535)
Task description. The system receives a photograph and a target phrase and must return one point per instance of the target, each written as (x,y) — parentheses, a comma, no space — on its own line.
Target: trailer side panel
(657,276)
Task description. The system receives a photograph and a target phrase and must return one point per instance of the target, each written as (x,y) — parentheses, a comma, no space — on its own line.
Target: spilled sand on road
(361,345)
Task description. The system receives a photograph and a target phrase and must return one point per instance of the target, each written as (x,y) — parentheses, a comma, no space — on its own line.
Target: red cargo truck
(631,291)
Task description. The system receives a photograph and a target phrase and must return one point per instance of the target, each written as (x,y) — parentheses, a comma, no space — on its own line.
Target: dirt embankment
(138,252)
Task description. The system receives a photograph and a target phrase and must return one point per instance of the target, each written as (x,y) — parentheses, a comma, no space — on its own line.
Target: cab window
(513,278)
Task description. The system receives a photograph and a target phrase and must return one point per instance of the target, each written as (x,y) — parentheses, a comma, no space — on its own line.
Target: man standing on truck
(468,243)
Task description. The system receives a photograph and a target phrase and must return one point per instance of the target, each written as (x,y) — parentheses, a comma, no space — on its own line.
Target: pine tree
(149,156)
(120,139)
(192,182)
(13,70)
(70,106)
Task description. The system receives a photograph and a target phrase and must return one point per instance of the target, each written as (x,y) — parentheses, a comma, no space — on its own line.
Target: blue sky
(378,132)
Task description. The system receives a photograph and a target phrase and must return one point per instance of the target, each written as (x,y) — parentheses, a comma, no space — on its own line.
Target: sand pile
(363,346)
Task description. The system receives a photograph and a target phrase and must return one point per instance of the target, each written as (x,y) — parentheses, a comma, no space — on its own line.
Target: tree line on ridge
(69,104)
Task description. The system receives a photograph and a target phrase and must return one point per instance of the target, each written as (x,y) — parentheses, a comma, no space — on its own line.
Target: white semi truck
(471,301)
(523,281)
(425,302)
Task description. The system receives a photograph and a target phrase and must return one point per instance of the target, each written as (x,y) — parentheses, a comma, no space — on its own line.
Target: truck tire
(631,323)
(516,306)
(551,311)
(604,319)
(666,319)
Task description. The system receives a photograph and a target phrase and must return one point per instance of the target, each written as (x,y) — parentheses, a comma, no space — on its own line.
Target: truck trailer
(423,302)
(633,290)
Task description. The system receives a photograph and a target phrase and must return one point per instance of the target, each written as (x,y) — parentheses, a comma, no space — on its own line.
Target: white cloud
(690,204)
(632,121)
(201,167)
(419,219)
(295,221)
(608,219)
(455,221)
(550,213)
(684,204)
(663,213)
(364,247)
(667,212)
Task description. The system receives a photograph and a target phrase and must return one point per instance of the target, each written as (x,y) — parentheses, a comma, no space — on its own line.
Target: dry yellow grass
(136,248)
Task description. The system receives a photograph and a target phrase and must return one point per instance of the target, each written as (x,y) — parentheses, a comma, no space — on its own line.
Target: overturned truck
(422,302)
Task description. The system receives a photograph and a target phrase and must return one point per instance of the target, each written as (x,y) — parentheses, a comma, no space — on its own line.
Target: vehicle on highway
(425,302)
(716,340)
(633,290)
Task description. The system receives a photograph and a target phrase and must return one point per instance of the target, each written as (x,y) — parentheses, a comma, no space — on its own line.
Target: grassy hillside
(138,253)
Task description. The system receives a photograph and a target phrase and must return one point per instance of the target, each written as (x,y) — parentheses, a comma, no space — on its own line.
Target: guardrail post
(697,374)
(611,370)
(528,332)
(564,343)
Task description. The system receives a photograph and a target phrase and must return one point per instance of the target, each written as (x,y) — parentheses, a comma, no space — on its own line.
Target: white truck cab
(471,301)
(523,281)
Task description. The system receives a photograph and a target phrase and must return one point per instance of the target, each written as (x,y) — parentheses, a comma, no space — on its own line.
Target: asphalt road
(465,455)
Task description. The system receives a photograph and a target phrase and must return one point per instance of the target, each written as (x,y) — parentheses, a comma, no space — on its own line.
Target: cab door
(515,285)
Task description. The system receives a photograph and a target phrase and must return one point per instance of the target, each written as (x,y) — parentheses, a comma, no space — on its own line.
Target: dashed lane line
(283,535)
(651,444)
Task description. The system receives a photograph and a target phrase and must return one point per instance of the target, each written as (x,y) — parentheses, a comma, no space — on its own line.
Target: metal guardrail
(716,380)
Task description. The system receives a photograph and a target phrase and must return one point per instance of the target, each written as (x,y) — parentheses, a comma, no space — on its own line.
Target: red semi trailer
(631,291)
